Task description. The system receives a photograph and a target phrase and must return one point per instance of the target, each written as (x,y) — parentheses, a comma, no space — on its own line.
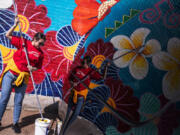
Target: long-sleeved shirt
(35,55)
(82,73)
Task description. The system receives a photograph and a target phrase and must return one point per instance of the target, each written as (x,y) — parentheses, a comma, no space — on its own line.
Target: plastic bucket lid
(41,126)
(43,123)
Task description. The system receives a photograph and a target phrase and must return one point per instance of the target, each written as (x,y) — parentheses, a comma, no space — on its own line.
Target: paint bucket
(59,125)
(42,126)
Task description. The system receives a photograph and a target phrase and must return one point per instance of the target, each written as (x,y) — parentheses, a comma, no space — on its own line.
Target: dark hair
(86,59)
(39,36)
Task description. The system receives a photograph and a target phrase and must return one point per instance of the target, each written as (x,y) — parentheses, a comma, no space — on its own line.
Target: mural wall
(141,40)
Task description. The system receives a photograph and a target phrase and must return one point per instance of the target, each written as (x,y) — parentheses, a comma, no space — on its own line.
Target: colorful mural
(141,40)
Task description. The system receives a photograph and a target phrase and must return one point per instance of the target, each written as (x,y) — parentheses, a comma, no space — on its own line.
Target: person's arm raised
(10,31)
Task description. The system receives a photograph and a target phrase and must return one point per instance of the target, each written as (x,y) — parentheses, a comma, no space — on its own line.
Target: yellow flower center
(112,103)
(70,51)
(24,24)
(7,53)
(97,60)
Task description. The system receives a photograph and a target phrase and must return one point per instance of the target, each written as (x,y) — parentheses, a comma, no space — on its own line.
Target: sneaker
(16,128)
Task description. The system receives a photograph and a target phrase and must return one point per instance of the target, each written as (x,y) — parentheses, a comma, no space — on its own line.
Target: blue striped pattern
(6,20)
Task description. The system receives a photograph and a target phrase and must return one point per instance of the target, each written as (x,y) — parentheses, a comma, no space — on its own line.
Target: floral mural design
(122,100)
(59,64)
(137,85)
(149,106)
(92,105)
(49,87)
(29,15)
(170,118)
(105,120)
(8,21)
(170,61)
(99,51)
(61,51)
(6,54)
(88,13)
(137,50)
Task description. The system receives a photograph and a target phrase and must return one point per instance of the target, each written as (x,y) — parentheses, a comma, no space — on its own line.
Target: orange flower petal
(85,12)
(83,26)
(79,2)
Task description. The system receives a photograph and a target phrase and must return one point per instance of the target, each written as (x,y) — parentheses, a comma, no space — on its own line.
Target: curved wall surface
(141,41)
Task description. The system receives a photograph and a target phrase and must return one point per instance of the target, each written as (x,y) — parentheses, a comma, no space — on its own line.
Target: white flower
(170,61)
(138,65)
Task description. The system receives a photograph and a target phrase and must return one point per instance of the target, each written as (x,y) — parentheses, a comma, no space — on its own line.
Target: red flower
(123,101)
(32,18)
(59,65)
(88,13)
(99,51)
(168,119)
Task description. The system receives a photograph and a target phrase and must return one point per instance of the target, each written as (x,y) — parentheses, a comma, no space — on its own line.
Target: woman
(16,73)
(79,93)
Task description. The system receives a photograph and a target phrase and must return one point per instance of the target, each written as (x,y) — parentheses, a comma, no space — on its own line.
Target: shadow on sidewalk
(50,112)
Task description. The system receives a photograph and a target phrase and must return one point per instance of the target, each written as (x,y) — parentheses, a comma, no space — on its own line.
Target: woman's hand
(16,21)
(10,31)
(31,68)
(73,84)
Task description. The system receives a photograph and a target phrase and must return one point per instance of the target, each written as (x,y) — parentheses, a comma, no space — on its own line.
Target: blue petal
(6,42)
(102,91)
(6,19)
(66,36)
(105,120)
(90,113)
(49,88)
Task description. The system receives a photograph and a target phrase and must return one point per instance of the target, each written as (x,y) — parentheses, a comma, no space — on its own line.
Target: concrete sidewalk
(27,122)
(81,126)
(29,114)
